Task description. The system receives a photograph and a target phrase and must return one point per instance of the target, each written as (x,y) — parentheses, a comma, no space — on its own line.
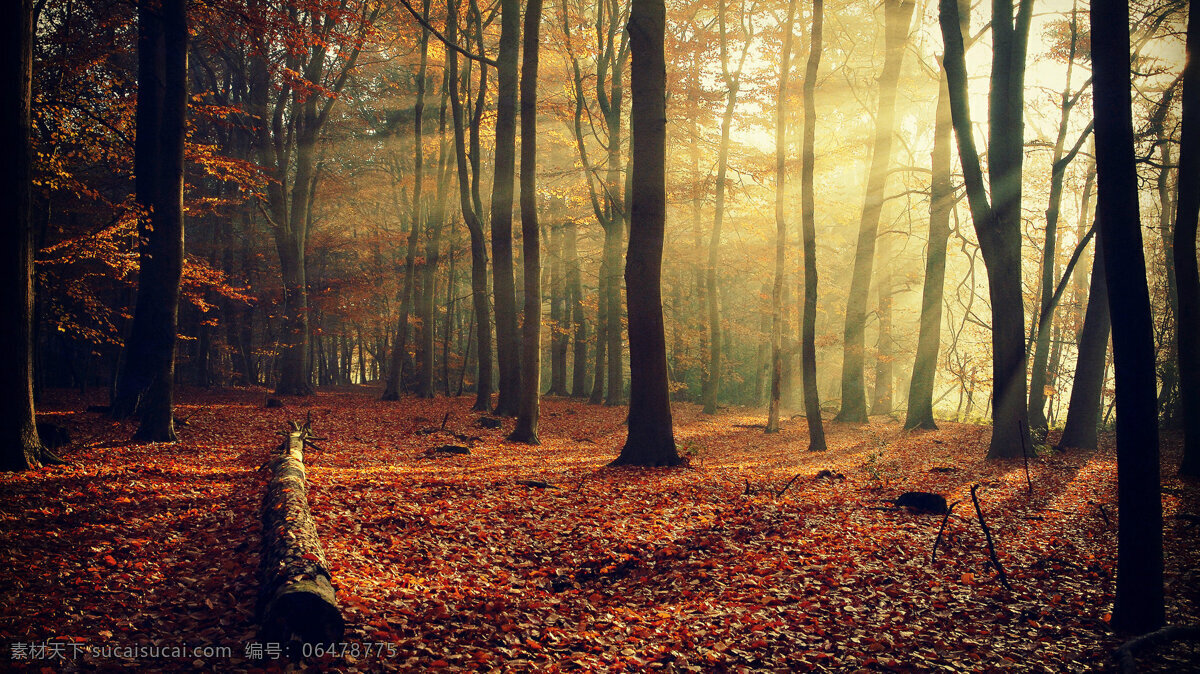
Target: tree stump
(296,600)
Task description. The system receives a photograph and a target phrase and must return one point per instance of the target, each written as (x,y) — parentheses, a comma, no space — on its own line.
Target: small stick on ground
(945,518)
(988,535)
(1025,455)
(787,486)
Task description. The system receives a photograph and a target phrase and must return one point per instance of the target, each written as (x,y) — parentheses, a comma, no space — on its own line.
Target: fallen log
(296,600)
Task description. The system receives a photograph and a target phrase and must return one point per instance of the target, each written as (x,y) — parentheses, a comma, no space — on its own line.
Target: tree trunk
(1187,210)
(1061,159)
(575,295)
(1139,601)
(614,239)
(21,449)
(1083,412)
(145,386)
(998,228)
(531,328)
(854,398)
(433,247)
(777,308)
(941,203)
(560,316)
(808,349)
(467,184)
(296,598)
(507,349)
(597,395)
(885,349)
(395,369)
(651,439)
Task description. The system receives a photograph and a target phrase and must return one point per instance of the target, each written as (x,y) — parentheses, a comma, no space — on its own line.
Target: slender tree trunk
(467,186)
(854,398)
(881,399)
(1187,210)
(507,348)
(433,248)
(146,384)
(560,314)
(997,223)
(1139,601)
(602,326)
(575,295)
(1061,159)
(941,203)
(21,448)
(395,370)
(651,439)
(808,349)
(531,329)
(777,308)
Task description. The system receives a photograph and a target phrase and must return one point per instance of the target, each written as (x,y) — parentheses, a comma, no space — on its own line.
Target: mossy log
(296,600)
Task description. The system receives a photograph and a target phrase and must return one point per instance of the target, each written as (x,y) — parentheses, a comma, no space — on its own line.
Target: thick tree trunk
(941,203)
(296,598)
(145,386)
(467,184)
(531,328)
(777,308)
(507,347)
(651,440)
(1187,210)
(21,448)
(1083,412)
(854,398)
(808,349)
(1139,601)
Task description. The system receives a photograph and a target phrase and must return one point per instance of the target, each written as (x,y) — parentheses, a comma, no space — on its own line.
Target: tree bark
(1187,210)
(998,227)
(145,386)
(575,295)
(531,328)
(941,203)
(651,439)
(467,188)
(296,598)
(21,448)
(1083,412)
(777,308)
(1139,601)
(854,398)
(507,348)
(808,349)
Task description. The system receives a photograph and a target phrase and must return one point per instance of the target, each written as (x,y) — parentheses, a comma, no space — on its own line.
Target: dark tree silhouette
(1139,601)
(1186,274)
(145,385)
(21,448)
(651,440)
(508,353)
(808,330)
(1083,411)
(531,327)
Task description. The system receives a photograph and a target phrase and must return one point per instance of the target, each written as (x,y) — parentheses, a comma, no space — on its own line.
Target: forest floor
(450,562)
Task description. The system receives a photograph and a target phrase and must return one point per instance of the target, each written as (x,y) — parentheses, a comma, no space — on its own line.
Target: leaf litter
(517,557)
